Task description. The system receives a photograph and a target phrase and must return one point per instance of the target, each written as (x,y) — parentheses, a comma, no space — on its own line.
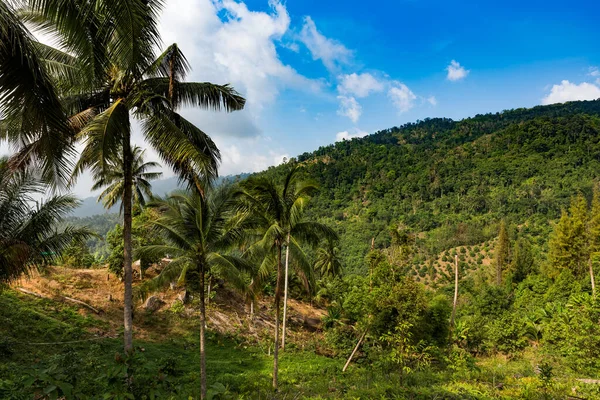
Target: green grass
(235,370)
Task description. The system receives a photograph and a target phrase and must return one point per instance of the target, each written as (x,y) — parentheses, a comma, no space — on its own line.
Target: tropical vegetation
(439,259)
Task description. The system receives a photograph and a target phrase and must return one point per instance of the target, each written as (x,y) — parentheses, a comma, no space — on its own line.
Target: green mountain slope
(450,182)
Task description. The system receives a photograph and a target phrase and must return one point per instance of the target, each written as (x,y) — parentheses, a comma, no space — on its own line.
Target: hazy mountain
(90,205)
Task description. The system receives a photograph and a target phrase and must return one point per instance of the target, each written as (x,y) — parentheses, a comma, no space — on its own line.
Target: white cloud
(402,97)
(432,100)
(249,155)
(359,85)
(456,72)
(354,85)
(350,108)
(567,91)
(346,135)
(331,52)
(292,47)
(239,124)
(239,48)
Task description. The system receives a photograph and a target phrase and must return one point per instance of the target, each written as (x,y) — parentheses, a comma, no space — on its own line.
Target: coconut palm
(108,73)
(29,102)
(277,210)
(30,236)
(113,180)
(328,261)
(198,231)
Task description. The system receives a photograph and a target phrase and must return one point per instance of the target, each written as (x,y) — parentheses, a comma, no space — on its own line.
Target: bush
(507,334)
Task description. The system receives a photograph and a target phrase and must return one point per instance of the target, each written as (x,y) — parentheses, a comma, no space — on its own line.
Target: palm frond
(182,146)
(30,237)
(34,121)
(197,94)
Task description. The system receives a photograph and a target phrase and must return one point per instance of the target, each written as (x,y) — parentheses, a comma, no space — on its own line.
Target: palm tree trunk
(202,336)
(355,349)
(277,317)
(208,291)
(127,256)
(285,291)
(251,301)
(455,290)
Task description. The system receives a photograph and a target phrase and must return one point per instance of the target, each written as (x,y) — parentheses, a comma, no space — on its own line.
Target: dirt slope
(226,312)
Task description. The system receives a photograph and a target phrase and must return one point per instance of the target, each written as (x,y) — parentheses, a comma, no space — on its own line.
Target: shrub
(507,334)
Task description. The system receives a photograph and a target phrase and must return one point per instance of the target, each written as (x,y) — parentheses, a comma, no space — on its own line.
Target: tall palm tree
(114,179)
(29,102)
(30,236)
(108,74)
(198,231)
(277,210)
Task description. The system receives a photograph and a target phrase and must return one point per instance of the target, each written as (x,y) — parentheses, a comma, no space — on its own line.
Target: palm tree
(30,237)
(109,73)
(198,231)
(29,103)
(115,177)
(328,261)
(277,210)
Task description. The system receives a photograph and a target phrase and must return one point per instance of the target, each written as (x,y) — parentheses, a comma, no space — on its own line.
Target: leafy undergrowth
(50,350)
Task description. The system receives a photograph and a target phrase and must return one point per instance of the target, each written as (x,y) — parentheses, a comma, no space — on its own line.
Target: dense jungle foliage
(450,182)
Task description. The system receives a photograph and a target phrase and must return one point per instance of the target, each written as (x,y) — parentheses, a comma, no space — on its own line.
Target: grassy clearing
(235,370)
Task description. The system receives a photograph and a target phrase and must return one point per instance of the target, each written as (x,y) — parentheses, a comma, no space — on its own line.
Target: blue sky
(318,71)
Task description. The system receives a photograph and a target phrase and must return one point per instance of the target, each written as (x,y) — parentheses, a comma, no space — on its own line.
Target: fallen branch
(590,381)
(82,303)
(29,292)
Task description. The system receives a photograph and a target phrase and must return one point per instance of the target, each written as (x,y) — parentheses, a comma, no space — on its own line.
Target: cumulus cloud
(359,85)
(239,48)
(567,91)
(350,108)
(346,135)
(248,157)
(331,52)
(432,100)
(456,71)
(352,86)
(239,124)
(402,97)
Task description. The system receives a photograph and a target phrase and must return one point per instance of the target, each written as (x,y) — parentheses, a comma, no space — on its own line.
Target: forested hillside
(450,182)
